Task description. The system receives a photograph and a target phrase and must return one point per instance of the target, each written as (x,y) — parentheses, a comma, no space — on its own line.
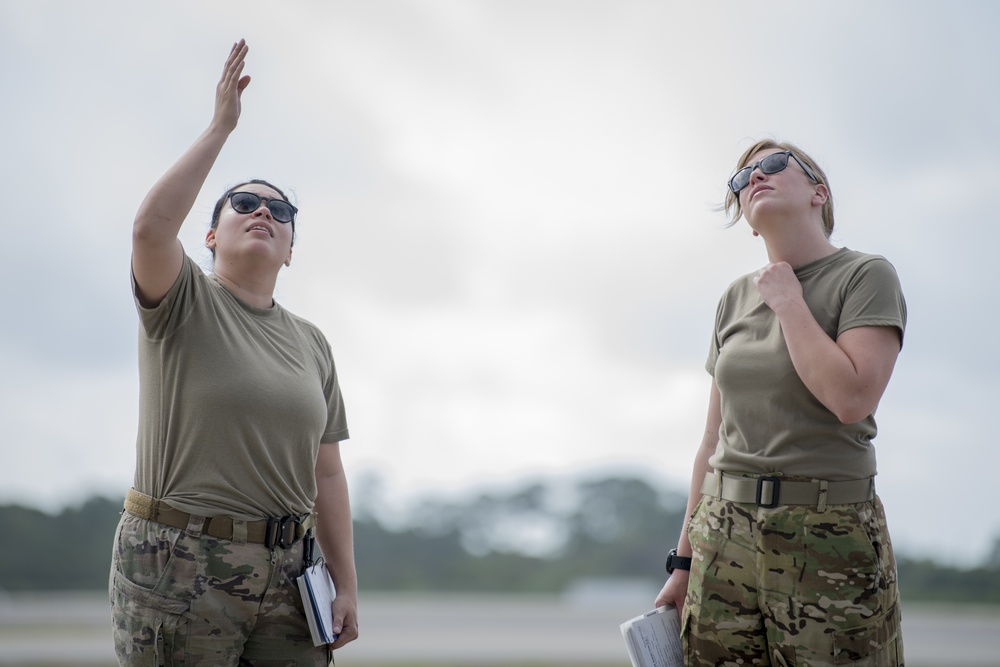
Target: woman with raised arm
(238,466)
(785,558)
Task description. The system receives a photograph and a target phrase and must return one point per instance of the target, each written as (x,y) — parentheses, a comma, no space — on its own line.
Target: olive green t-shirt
(771,423)
(234,402)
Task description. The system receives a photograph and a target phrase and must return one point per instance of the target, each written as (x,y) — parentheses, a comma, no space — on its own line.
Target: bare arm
(335,534)
(847,375)
(156,253)
(675,589)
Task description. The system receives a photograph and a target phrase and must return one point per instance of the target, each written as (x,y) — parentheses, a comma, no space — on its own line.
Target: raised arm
(156,252)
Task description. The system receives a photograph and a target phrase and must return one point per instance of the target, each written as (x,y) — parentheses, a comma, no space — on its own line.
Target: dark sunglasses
(248,202)
(770,164)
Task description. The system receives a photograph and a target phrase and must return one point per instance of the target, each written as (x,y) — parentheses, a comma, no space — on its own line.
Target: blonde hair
(732,203)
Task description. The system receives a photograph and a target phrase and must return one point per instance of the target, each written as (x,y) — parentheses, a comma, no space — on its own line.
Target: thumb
(242,84)
(338,621)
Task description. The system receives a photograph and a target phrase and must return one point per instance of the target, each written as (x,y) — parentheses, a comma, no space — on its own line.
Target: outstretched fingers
(236,56)
(231,87)
(234,64)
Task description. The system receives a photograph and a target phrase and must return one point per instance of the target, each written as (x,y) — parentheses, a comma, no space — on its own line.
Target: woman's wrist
(676,562)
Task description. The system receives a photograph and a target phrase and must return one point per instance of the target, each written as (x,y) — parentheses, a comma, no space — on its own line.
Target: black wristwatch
(675,562)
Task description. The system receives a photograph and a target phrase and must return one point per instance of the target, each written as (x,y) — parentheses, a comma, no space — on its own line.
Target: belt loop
(718,484)
(195,524)
(823,488)
(239,531)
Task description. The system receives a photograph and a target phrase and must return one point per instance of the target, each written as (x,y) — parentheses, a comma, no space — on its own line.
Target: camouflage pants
(182,598)
(791,586)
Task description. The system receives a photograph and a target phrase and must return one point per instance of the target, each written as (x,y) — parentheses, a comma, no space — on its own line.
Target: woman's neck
(257,291)
(797,241)
(797,251)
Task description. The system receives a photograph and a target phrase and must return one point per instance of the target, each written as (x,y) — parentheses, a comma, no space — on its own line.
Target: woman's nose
(263,209)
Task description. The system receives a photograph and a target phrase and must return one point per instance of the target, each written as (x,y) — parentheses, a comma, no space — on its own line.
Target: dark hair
(217,211)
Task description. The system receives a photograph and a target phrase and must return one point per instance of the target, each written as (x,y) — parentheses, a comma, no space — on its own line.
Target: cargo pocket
(694,513)
(686,633)
(874,643)
(147,624)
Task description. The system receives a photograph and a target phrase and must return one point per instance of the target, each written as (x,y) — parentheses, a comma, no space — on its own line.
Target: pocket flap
(144,597)
(861,642)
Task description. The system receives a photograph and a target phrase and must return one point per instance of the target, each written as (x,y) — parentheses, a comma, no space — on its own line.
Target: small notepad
(318,592)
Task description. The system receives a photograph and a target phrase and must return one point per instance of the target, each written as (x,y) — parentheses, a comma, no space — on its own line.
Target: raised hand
(229,92)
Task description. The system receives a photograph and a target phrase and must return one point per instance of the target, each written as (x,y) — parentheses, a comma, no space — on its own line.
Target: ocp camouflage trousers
(791,586)
(182,598)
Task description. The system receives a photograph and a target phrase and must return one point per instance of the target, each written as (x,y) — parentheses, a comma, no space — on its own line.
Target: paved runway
(469,630)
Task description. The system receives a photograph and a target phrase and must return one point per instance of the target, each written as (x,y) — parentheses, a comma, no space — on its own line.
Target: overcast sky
(507,226)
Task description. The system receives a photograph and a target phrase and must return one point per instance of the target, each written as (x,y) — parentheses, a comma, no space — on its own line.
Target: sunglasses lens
(282,211)
(740,180)
(244,202)
(772,164)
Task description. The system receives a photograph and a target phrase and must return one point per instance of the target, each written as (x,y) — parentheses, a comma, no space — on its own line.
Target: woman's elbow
(850,417)
(853,409)
(146,233)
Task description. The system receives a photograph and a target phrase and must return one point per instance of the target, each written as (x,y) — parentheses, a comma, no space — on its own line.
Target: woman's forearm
(848,375)
(335,531)
(170,200)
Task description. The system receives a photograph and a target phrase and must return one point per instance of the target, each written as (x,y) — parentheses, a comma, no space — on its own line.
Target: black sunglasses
(248,202)
(769,164)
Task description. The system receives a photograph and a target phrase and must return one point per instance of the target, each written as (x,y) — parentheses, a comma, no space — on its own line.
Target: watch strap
(675,562)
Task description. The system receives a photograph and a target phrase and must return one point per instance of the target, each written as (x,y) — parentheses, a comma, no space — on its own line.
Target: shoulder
(870,293)
(309,331)
(863,267)
(190,279)
(856,258)
(740,289)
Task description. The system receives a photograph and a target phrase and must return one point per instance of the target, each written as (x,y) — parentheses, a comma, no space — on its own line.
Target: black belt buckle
(281,531)
(774,493)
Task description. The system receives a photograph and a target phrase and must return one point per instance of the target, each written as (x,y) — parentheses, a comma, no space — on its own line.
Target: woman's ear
(288,260)
(210,238)
(820,194)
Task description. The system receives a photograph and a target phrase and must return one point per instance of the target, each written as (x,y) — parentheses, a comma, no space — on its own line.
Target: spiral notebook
(318,592)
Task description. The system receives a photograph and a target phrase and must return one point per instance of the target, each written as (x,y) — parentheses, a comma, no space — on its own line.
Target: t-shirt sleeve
(157,322)
(336,420)
(874,298)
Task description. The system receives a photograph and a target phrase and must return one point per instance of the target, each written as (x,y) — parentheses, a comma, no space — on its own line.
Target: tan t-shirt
(771,423)
(234,402)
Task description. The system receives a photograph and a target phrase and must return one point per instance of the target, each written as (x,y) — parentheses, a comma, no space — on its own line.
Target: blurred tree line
(537,538)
